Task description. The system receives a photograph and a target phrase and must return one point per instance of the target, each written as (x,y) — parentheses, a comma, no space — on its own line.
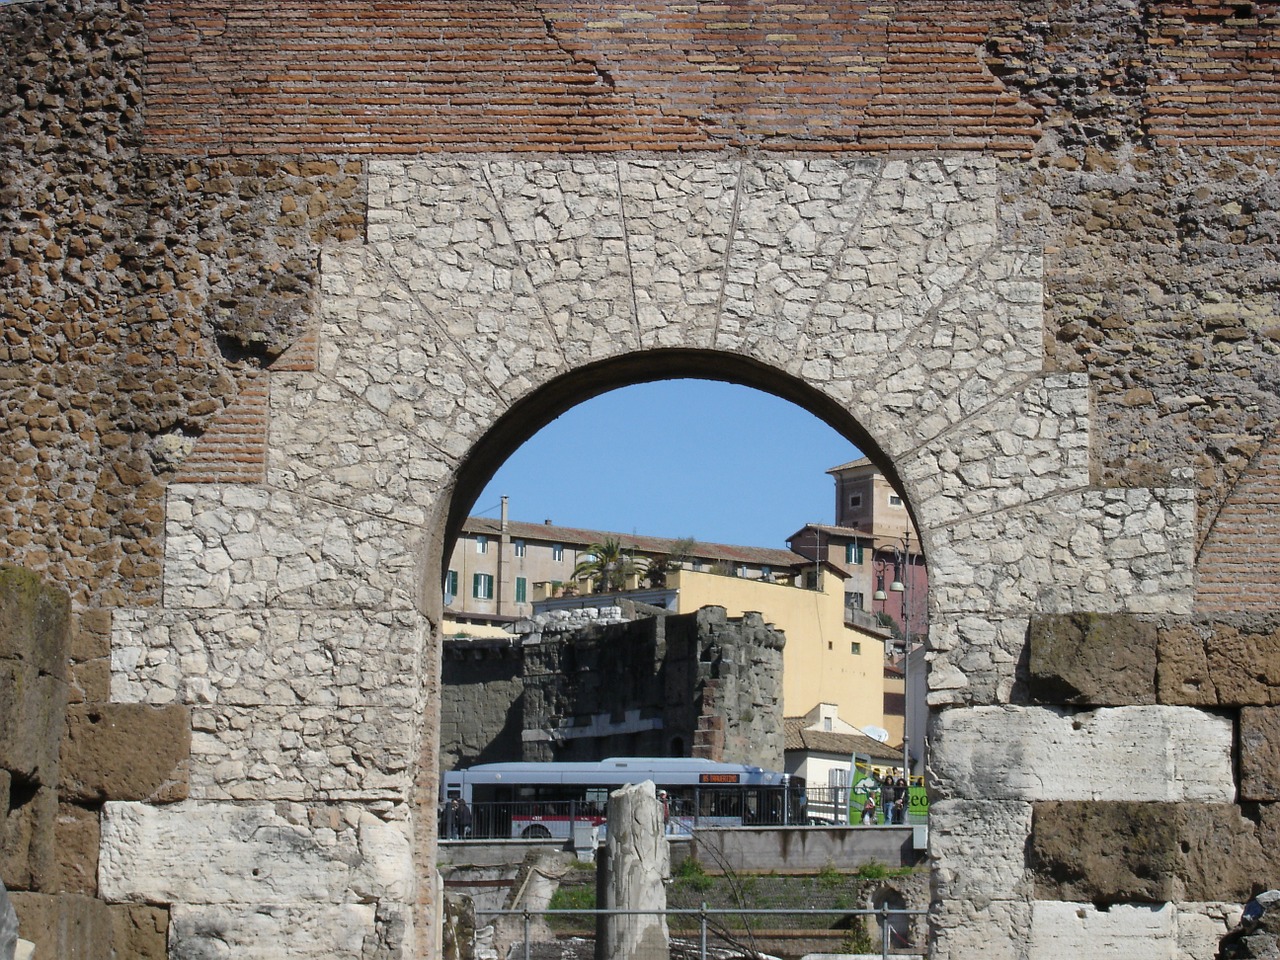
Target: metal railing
(716,938)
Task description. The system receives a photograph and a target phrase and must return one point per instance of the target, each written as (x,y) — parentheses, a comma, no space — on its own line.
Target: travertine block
(1118,753)
(979,848)
(303,931)
(992,930)
(334,753)
(1123,932)
(1107,550)
(197,853)
(126,751)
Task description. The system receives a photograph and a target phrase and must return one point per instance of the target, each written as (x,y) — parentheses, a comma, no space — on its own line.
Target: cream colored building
(500,567)
(825,660)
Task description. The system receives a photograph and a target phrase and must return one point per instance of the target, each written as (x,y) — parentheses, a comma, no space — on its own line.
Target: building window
(857,600)
(855,500)
(853,552)
(522,589)
(482,543)
(482,586)
(451,584)
(519,547)
(766,572)
(855,647)
(557,553)
(826,724)
(895,500)
(697,564)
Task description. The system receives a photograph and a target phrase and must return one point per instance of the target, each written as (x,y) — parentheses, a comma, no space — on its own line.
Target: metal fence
(708,933)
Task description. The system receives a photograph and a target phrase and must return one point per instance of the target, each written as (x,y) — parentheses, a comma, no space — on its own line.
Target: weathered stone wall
(60,758)
(1026,254)
(588,684)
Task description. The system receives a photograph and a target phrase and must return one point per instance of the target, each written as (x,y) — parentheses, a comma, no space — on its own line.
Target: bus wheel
(535,832)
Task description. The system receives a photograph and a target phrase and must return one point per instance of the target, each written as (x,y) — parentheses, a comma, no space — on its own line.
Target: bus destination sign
(719,778)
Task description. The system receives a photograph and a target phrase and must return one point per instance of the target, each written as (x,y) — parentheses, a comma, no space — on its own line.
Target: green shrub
(691,876)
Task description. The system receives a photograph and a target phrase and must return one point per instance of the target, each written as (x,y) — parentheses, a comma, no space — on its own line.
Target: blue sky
(674,458)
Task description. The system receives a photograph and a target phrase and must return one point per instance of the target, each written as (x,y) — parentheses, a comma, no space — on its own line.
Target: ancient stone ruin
(579,687)
(282,285)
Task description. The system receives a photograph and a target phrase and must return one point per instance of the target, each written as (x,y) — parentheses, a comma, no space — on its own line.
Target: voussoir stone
(1092,659)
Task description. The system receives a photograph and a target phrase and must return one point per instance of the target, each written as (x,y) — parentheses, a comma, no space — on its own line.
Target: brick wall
(573,75)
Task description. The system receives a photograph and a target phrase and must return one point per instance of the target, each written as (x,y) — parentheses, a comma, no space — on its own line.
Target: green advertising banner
(867,786)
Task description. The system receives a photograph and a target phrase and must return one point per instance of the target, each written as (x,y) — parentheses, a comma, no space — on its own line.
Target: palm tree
(608,565)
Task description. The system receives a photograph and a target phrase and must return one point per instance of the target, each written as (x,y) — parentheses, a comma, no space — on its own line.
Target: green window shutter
(857,551)
(521,589)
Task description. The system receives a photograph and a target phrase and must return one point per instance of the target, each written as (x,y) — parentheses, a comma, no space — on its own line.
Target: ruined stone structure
(570,686)
(282,283)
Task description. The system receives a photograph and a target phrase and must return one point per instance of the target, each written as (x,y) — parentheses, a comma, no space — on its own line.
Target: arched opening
(531,413)
(822,544)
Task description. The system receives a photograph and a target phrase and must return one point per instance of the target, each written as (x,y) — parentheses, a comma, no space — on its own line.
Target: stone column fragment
(638,863)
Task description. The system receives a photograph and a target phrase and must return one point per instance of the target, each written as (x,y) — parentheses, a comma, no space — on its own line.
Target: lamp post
(901,556)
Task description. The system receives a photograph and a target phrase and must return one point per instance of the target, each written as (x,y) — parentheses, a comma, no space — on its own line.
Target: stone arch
(534,411)
(887,296)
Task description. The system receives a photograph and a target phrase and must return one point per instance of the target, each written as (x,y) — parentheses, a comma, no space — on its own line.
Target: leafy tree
(608,566)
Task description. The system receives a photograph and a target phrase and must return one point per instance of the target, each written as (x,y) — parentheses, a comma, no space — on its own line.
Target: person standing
(886,799)
(901,797)
(462,819)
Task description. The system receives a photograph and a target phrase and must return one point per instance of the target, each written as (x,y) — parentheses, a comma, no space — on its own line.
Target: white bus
(545,800)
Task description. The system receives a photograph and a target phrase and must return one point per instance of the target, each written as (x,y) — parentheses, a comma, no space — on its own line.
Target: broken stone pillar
(638,861)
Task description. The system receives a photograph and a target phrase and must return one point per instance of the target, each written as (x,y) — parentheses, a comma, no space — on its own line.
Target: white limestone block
(978,850)
(1124,932)
(1201,927)
(272,932)
(964,930)
(195,853)
(1120,753)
